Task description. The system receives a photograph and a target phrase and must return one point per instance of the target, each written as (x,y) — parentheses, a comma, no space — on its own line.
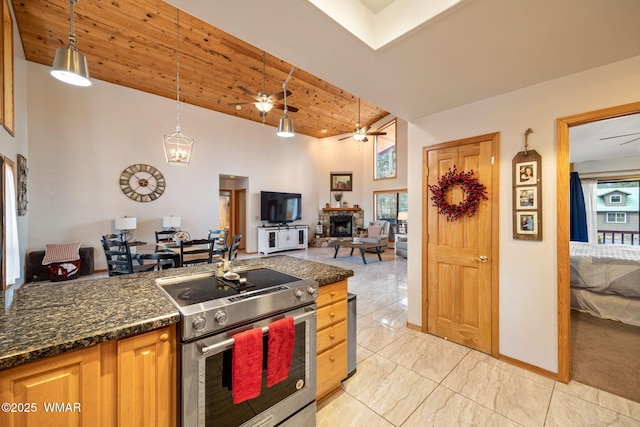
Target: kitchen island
(104,351)
(45,319)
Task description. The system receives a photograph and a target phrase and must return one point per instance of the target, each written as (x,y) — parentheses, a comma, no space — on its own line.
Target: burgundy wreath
(474,192)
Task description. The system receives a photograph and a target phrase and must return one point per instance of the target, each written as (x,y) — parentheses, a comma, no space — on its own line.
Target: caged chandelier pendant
(178,146)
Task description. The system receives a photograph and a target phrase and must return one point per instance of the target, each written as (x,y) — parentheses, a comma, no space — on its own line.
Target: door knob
(482,258)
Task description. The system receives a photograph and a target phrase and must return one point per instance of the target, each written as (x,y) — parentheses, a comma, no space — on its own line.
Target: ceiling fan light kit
(69,65)
(177,146)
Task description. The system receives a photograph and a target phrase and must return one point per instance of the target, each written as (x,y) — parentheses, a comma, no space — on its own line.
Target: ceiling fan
(360,133)
(264,102)
(623,136)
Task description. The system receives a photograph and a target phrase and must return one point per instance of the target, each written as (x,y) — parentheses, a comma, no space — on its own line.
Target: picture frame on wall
(23,172)
(527,196)
(341,181)
(526,173)
(527,222)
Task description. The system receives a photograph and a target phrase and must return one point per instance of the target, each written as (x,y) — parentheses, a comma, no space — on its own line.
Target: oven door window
(219,407)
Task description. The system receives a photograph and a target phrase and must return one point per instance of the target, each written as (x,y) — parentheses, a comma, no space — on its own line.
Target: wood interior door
(459,289)
(240,215)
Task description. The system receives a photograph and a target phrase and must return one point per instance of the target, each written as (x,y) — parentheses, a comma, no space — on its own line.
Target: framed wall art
(341,181)
(22,185)
(527,196)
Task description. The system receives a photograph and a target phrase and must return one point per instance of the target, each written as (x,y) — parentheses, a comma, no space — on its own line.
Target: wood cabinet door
(61,390)
(146,382)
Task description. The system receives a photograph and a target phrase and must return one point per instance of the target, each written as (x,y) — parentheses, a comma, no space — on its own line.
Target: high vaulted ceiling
(477,49)
(133,44)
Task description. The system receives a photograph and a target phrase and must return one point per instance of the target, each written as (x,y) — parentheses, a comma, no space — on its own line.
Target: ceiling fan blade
(619,136)
(280,95)
(289,107)
(247,91)
(364,129)
(376,133)
(624,143)
(346,137)
(365,139)
(233,104)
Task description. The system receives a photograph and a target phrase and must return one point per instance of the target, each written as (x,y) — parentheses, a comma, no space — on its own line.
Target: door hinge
(493,160)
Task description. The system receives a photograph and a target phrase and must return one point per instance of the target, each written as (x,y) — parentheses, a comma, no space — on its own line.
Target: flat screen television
(280,208)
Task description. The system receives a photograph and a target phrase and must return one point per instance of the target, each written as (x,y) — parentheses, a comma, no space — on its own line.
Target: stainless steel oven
(206,378)
(213,310)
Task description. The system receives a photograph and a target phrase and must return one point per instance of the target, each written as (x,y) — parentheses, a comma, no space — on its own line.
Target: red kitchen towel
(246,367)
(280,350)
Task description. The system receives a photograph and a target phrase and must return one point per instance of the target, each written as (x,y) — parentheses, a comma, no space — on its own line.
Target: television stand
(276,238)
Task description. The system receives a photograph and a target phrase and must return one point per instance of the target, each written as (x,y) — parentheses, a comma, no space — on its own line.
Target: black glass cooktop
(202,289)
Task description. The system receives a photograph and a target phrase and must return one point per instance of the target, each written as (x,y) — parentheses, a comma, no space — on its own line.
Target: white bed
(605,281)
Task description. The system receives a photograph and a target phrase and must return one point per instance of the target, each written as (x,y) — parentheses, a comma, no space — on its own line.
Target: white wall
(528,297)
(80,140)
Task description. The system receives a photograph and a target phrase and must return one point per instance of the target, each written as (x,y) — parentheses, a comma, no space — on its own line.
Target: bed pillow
(61,253)
(374,231)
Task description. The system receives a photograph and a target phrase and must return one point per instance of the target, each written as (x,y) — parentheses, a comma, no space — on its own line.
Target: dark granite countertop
(45,319)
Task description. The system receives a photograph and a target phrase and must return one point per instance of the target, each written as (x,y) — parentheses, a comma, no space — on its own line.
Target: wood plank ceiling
(134,44)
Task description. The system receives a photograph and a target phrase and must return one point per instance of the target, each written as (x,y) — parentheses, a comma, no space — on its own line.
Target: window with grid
(617,217)
(615,199)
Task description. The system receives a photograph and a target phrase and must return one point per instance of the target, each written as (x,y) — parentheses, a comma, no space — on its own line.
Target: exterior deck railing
(619,237)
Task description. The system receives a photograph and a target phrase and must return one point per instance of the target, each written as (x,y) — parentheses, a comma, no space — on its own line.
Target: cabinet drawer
(332,293)
(330,314)
(331,369)
(331,335)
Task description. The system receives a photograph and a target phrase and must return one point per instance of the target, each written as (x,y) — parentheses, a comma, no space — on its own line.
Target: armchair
(377,232)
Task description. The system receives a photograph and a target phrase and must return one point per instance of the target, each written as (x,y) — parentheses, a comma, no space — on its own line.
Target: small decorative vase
(338,204)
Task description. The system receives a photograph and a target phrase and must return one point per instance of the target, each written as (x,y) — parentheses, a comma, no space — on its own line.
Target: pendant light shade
(285,127)
(178,146)
(69,65)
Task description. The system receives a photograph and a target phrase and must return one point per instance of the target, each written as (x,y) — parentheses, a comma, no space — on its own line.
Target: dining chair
(164,236)
(197,251)
(235,246)
(220,245)
(119,258)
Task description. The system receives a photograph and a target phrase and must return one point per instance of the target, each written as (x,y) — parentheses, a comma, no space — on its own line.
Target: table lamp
(171,222)
(125,225)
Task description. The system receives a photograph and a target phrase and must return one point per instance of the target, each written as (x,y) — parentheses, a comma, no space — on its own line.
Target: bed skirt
(613,307)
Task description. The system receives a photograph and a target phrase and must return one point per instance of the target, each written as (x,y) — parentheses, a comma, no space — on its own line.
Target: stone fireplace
(351,219)
(341,226)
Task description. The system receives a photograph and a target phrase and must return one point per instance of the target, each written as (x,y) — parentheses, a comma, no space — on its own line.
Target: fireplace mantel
(341,209)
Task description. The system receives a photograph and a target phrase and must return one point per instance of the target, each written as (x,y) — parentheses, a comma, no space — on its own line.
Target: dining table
(158,252)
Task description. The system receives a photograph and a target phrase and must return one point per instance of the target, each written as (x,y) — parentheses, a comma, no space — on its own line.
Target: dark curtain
(577,211)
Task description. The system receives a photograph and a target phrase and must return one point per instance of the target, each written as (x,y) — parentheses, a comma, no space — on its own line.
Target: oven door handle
(206,349)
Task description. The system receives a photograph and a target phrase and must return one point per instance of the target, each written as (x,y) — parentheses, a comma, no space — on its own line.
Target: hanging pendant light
(285,127)
(69,65)
(178,146)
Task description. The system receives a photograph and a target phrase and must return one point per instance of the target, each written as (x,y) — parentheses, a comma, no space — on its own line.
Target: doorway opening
(232,206)
(563,169)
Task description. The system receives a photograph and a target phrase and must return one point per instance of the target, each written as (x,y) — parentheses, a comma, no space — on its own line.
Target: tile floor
(407,378)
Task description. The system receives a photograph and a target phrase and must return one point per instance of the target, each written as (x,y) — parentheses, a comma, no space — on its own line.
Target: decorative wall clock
(142,183)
